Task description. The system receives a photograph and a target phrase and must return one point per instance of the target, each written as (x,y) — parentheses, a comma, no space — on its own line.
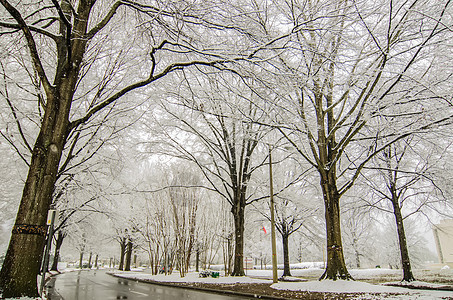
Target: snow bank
(338,286)
(302,265)
(375,273)
(362,290)
(418,284)
(191,277)
(308,265)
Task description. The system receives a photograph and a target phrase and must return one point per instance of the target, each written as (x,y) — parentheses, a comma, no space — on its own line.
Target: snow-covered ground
(366,290)
(190,277)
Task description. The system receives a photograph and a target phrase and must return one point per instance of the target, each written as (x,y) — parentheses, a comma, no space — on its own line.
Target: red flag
(264,229)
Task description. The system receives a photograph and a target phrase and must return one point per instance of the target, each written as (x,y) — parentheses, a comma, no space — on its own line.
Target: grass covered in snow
(190,277)
(364,290)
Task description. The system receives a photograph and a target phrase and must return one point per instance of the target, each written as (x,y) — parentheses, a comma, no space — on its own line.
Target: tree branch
(54,37)
(170,68)
(31,45)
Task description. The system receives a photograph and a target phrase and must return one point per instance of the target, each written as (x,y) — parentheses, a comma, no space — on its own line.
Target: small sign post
(50,222)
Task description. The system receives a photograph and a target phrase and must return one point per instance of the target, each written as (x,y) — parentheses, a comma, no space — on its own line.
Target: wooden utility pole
(274,246)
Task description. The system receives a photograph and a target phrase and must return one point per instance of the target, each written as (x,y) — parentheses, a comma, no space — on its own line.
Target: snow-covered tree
(403,184)
(338,67)
(64,41)
(210,123)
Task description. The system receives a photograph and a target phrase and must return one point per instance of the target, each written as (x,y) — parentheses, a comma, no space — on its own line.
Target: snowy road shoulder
(189,278)
(367,290)
(362,289)
(338,286)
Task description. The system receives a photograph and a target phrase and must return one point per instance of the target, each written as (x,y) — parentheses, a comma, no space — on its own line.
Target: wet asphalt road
(96,284)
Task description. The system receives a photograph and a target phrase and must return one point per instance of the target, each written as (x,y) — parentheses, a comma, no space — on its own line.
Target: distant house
(443,235)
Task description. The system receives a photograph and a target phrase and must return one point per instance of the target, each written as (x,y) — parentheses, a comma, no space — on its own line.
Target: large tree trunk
(127,266)
(23,258)
(405,260)
(336,266)
(286,268)
(56,257)
(123,251)
(18,276)
(238,267)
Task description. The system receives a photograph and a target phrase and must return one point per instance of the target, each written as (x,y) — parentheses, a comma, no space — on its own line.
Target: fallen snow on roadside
(417,284)
(373,273)
(362,289)
(190,277)
(338,286)
(366,290)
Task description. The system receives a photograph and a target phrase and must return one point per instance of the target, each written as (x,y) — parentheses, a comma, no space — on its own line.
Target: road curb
(447,288)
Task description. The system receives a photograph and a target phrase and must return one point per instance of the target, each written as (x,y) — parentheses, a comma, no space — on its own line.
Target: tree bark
(127,266)
(286,267)
(122,253)
(336,266)
(18,275)
(59,243)
(197,260)
(238,267)
(405,260)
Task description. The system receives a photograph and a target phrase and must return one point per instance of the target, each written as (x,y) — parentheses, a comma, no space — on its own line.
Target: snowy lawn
(190,277)
(364,290)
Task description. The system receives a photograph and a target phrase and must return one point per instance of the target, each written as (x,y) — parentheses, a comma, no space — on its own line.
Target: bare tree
(293,206)
(346,64)
(184,203)
(407,188)
(289,220)
(224,145)
(65,41)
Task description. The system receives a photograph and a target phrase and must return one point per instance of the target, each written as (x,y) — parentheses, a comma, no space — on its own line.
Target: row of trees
(148,219)
(337,84)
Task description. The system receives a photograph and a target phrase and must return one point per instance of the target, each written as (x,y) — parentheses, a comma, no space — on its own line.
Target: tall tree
(220,139)
(293,209)
(184,203)
(346,64)
(289,220)
(67,40)
(403,184)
